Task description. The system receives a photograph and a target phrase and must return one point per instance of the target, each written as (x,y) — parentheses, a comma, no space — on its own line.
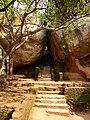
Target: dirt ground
(41,114)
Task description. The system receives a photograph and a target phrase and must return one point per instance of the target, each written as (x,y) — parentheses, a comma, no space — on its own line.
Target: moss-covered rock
(5,113)
(77,96)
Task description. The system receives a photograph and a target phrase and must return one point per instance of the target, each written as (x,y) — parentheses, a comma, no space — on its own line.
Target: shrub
(77,96)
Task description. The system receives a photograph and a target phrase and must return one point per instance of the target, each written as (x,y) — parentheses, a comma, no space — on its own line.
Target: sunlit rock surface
(80,46)
(31,50)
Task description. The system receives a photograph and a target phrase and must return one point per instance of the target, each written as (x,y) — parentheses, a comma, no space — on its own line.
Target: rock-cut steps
(54,103)
(49,97)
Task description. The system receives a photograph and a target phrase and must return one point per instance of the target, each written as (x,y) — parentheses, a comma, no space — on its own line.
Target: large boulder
(79,37)
(31,50)
(80,47)
(54,43)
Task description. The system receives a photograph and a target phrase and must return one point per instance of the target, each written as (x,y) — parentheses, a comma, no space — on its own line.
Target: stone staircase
(49,97)
(45,73)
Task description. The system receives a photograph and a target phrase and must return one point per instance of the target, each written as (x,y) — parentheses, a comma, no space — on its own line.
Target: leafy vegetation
(5,113)
(59,12)
(78,96)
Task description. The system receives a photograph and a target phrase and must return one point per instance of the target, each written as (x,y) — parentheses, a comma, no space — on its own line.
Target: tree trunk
(10,65)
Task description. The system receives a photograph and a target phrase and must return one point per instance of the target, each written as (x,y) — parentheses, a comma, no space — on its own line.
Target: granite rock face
(80,45)
(55,46)
(31,50)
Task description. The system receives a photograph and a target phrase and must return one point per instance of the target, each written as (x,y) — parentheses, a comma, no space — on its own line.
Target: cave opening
(47,58)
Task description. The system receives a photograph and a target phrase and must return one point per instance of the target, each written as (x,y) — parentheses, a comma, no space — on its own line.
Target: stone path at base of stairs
(41,114)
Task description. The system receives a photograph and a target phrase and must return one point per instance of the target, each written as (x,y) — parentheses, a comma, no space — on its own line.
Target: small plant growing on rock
(37,69)
(2,81)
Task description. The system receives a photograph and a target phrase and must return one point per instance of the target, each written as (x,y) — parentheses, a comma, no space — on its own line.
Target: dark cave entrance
(47,58)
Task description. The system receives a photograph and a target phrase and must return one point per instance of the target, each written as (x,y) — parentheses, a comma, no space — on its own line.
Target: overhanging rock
(31,50)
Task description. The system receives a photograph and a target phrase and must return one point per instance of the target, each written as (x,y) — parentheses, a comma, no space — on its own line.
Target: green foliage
(78,96)
(50,15)
(52,12)
(66,39)
(4,3)
(60,11)
(2,80)
(5,114)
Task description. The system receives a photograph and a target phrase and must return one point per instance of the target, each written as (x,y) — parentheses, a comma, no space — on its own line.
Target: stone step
(48,100)
(43,82)
(45,78)
(47,105)
(53,83)
(47,88)
(58,112)
(48,92)
(29,82)
(50,96)
(47,82)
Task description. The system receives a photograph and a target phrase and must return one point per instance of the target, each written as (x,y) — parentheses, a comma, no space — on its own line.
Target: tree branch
(32,32)
(62,26)
(6,7)
(28,13)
